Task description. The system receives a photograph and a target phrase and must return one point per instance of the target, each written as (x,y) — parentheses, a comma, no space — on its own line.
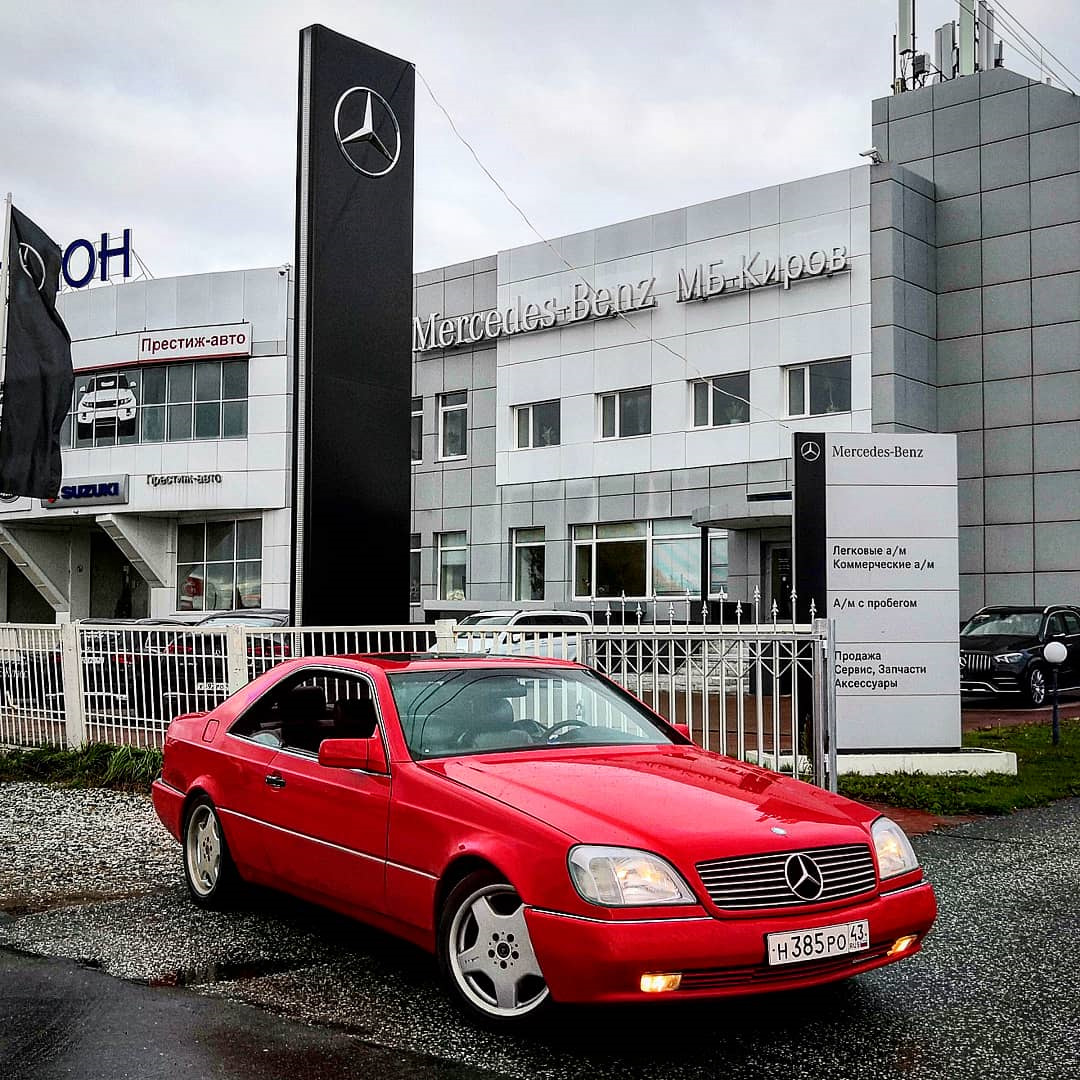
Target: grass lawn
(123,768)
(1045,773)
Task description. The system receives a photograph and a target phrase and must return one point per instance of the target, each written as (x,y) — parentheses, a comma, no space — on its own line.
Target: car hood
(997,643)
(676,800)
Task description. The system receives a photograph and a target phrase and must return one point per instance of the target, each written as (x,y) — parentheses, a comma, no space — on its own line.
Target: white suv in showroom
(106,400)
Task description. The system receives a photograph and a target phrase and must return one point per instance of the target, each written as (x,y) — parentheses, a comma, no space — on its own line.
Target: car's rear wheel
(486,953)
(1035,685)
(209,869)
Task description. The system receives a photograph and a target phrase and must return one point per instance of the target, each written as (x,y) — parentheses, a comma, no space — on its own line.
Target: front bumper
(594,960)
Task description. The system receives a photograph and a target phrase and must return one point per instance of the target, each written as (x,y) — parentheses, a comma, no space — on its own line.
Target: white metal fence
(754,691)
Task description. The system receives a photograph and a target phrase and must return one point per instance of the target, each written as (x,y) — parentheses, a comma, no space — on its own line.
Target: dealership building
(611,416)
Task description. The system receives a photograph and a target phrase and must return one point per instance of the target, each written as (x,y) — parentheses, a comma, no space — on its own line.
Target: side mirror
(682,729)
(366,754)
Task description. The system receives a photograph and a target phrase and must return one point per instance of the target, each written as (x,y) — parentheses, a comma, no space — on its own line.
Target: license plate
(211,688)
(795,946)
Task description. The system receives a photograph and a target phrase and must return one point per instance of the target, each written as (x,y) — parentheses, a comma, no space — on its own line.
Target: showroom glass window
(721,401)
(416,439)
(453,425)
(528,564)
(536,425)
(414,568)
(207,399)
(644,559)
(451,549)
(626,413)
(817,389)
(219,565)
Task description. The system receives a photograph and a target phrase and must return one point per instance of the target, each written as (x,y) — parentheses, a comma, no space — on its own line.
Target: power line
(576,270)
(1008,14)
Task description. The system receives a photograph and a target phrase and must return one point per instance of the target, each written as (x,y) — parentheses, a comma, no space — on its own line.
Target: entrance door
(117,590)
(778,581)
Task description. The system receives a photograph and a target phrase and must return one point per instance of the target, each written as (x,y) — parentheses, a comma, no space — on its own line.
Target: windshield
(481,710)
(1004,624)
(486,620)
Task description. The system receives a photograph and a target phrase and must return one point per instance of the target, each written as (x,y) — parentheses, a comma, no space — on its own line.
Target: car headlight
(626,877)
(895,854)
(1008,658)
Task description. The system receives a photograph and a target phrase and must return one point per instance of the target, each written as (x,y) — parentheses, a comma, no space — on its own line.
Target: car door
(1070,676)
(329,824)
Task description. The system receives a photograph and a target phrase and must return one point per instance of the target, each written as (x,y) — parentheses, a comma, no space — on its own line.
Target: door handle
(275,781)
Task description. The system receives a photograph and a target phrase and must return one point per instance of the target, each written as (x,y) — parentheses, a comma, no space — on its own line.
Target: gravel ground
(69,846)
(993,995)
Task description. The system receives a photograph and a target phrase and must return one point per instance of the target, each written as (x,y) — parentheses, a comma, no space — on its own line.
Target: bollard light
(1054,653)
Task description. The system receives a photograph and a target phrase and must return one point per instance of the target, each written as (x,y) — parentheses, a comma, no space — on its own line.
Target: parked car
(1001,651)
(193,672)
(543,832)
(494,632)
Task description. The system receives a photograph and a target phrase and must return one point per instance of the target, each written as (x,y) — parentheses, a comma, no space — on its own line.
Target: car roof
(1024,609)
(425,661)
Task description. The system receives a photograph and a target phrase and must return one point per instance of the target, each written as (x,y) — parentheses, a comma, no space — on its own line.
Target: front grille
(750,882)
(975,661)
(104,403)
(763,974)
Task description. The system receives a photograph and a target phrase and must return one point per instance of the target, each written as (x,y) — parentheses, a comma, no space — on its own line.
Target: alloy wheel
(203,849)
(1037,686)
(491,956)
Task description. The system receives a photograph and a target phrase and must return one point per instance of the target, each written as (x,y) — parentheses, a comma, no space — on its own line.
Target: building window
(815,389)
(417,430)
(414,568)
(453,424)
(626,413)
(159,403)
(644,559)
(722,400)
(451,565)
(528,547)
(718,564)
(219,565)
(537,425)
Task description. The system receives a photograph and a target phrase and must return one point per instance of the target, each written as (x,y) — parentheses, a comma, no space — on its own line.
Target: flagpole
(5,281)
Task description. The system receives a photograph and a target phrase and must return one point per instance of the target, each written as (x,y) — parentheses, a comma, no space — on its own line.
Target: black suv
(1001,651)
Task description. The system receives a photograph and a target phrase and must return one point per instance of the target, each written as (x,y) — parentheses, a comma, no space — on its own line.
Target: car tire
(1035,686)
(209,870)
(486,955)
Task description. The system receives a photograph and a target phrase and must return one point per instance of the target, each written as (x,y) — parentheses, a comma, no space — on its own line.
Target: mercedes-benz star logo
(364,148)
(810,451)
(33,264)
(803,876)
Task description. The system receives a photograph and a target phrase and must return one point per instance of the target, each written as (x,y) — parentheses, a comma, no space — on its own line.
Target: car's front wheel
(486,953)
(209,869)
(1035,685)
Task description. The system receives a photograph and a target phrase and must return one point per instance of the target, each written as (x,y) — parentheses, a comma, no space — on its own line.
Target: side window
(1072,623)
(1055,627)
(302,711)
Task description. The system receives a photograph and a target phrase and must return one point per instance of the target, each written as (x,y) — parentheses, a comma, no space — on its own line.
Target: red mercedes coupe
(546,834)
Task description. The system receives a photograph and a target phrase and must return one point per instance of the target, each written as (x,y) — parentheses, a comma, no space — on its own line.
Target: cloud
(179,120)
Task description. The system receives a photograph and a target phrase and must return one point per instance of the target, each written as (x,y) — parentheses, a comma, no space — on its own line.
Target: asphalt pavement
(96,882)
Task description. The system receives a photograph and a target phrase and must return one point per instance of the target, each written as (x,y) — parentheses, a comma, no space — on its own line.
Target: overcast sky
(179,119)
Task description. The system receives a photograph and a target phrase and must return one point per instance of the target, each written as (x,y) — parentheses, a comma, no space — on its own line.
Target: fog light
(901,945)
(658,984)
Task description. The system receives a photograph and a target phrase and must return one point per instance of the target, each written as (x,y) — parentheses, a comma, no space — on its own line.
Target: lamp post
(1054,653)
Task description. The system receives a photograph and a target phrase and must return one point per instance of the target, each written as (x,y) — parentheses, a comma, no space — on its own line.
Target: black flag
(38,377)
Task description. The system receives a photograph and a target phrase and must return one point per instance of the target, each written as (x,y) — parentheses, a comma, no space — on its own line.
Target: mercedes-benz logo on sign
(33,264)
(810,451)
(803,876)
(367,131)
